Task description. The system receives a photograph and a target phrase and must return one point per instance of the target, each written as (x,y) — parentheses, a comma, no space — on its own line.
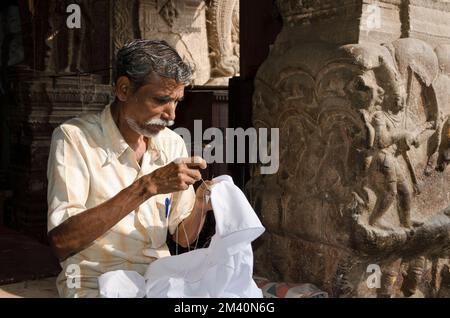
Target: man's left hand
(202,195)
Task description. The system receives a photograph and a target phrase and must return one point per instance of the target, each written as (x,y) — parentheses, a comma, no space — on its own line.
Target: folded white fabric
(121,284)
(225,268)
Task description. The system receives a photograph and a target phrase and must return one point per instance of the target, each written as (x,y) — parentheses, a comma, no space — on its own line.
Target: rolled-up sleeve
(68,179)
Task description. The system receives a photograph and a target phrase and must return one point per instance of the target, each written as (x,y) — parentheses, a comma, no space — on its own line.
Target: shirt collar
(116,144)
(156,150)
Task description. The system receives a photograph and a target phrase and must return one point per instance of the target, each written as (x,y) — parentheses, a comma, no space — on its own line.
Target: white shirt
(89,163)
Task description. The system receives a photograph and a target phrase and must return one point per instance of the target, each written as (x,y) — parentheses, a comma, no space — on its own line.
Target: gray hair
(138,58)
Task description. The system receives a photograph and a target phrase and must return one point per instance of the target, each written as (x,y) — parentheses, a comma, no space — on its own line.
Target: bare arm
(189,229)
(80,230)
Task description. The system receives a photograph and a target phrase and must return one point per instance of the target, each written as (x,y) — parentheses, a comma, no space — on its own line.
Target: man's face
(150,108)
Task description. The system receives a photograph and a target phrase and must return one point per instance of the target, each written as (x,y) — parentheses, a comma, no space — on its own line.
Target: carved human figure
(387,141)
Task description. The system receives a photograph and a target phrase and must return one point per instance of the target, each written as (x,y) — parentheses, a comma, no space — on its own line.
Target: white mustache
(159,122)
(144,131)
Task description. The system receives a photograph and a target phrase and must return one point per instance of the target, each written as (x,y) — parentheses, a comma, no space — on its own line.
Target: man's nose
(169,111)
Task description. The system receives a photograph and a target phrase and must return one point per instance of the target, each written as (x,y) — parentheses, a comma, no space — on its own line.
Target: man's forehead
(164,86)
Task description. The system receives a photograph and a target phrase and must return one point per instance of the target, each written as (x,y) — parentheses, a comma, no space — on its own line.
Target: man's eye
(161,101)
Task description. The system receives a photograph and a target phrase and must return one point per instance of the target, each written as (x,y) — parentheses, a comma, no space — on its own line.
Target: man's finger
(187,179)
(193,162)
(193,173)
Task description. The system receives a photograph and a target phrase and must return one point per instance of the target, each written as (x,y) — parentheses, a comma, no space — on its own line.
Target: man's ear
(123,88)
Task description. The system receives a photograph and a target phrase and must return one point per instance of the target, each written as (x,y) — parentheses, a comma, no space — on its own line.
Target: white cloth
(224,269)
(121,284)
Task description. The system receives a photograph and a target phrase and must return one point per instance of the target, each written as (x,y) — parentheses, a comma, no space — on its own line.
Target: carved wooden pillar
(363,180)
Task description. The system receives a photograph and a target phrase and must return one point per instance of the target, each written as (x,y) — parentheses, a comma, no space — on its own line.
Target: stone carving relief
(363,178)
(51,46)
(123,15)
(182,24)
(168,11)
(205,33)
(223,40)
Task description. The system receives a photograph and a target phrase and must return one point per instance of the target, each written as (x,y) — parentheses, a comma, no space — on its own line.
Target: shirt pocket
(158,230)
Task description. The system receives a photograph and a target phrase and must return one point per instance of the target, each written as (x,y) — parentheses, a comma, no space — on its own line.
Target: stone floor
(41,288)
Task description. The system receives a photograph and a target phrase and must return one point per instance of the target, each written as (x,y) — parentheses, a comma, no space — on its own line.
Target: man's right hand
(80,230)
(176,176)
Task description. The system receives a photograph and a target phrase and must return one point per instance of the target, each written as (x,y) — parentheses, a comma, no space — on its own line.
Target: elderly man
(115,187)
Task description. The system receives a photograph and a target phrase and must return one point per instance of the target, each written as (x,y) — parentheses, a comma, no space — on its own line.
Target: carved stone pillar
(63,76)
(223,40)
(42,103)
(362,193)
